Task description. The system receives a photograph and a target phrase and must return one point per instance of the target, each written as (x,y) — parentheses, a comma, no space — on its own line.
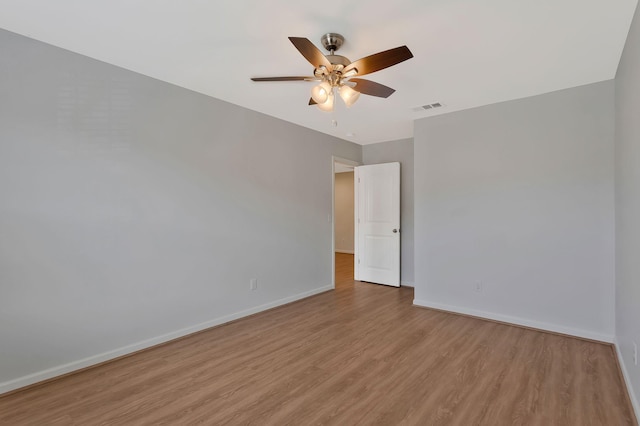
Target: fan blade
(368,87)
(380,61)
(312,102)
(310,52)
(284,79)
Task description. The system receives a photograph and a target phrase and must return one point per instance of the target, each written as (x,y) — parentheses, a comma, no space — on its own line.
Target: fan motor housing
(338,60)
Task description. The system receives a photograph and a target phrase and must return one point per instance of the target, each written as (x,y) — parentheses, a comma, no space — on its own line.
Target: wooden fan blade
(380,61)
(312,102)
(310,52)
(284,79)
(368,87)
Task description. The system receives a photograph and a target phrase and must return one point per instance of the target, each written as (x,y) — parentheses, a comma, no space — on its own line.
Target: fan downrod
(332,41)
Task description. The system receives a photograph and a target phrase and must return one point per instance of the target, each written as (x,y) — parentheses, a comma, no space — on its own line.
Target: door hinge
(358,261)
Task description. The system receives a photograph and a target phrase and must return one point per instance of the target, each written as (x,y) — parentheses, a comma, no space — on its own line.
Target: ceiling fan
(337,73)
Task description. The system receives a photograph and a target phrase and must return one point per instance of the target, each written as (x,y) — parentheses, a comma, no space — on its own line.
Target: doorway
(343,229)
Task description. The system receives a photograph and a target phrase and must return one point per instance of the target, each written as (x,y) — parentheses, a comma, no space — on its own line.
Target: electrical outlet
(635,353)
(478,287)
(253,284)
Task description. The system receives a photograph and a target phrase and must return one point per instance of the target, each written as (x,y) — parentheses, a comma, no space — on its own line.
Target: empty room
(355,213)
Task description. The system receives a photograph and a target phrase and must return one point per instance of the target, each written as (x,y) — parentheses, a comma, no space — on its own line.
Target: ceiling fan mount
(332,41)
(337,73)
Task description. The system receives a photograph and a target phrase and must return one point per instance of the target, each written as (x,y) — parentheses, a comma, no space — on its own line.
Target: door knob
(395,231)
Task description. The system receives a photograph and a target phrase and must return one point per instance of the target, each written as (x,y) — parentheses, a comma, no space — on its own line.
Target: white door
(377,216)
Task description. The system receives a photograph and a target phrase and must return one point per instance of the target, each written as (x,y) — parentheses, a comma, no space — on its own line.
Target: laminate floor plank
(358,355)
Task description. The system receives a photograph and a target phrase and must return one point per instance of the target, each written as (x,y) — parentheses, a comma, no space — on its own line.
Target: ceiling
(466,53)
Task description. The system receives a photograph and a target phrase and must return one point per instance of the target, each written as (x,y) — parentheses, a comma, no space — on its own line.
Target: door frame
(334,160)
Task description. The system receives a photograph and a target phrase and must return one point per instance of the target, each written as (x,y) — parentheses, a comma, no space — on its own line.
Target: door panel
(377,216)
(376,252)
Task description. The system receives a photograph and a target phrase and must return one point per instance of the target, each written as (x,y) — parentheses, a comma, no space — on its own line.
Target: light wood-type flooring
(359,355)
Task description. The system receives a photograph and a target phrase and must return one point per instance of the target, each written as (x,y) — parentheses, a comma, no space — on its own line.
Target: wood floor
(359,355)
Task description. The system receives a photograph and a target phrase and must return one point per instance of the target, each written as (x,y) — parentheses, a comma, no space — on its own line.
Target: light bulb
(328,104)
(348,95)
(320,93)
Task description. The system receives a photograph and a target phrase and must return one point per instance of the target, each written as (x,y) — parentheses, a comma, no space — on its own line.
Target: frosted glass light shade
(320,93)
(350,73)
(328,104)
(348,95)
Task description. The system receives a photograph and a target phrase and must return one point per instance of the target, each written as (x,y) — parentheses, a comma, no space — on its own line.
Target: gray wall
(132,209)
(517,198)
(628,206)
(402,152)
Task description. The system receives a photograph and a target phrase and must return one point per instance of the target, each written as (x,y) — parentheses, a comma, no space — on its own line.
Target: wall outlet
(478,287)
(635,353)
(253,284)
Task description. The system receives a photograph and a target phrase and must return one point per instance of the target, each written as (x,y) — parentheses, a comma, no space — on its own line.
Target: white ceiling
(466,53)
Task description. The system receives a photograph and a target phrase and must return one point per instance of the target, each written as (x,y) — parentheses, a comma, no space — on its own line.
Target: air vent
(428,107)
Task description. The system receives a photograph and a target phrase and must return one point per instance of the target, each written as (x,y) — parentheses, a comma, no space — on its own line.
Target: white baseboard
(345,251)
(586,334)
(627,380)
(407,284)
(106,356)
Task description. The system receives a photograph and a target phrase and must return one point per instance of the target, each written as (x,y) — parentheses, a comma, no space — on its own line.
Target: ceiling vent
(428,107)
